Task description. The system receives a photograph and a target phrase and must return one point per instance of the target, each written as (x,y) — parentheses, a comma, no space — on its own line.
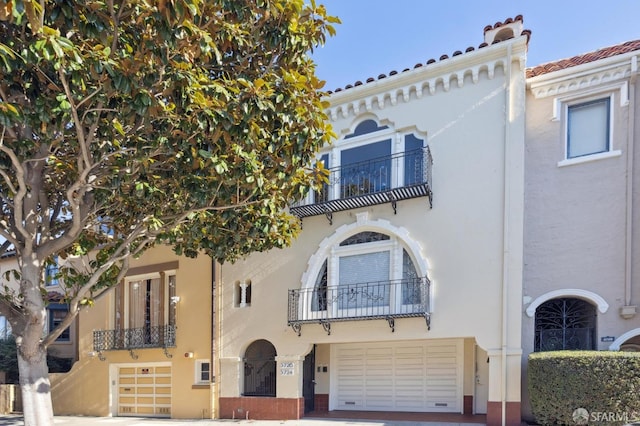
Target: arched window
(368,271)
(565,323)
(260,369)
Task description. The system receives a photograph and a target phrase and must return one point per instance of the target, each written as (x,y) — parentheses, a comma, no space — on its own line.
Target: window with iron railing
(144,314)
(368,274)
(374,165)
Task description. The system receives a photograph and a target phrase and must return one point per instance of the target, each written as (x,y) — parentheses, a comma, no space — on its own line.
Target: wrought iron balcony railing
(386,300)
(382,180)
(162,336)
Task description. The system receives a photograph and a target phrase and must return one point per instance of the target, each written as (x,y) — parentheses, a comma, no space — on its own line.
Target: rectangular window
(145,311)
(588,128)
(57,313)
(364,280)
(365,169)
(51,273)
(322,195)
(203,371)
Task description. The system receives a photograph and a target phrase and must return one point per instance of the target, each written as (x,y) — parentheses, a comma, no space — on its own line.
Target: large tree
(129,123)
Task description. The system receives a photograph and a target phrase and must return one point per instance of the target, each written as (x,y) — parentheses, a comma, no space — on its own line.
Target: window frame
(65,336)
(165,279)
(198,370)
(574,102)
(333,155)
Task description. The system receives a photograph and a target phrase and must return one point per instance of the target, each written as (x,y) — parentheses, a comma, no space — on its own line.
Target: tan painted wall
(86,388)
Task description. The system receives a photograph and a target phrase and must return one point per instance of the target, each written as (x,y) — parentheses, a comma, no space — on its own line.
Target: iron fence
(162,336)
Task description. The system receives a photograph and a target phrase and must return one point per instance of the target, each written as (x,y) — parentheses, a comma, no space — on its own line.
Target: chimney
(501,31)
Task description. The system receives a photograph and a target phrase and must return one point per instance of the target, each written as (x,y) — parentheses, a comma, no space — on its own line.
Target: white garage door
(144,390)
(397,376)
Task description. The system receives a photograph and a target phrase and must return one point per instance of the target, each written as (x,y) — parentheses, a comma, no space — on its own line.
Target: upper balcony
(386,179)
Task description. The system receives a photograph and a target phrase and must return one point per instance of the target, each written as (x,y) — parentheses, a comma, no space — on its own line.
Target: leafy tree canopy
(126,123)
(183,121)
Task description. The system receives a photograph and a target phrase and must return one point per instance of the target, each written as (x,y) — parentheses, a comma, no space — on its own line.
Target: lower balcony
(387,300)
(161,336)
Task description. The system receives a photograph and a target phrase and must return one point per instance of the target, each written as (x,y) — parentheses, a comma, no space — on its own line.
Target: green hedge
(605,384)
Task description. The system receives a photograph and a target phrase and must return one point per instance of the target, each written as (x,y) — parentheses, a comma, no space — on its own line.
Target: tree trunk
(36,389)
(32,354)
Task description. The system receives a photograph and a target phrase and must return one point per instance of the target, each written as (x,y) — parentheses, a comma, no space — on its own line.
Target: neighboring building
(65,346)
(582,221)
(404,290)
(145,346)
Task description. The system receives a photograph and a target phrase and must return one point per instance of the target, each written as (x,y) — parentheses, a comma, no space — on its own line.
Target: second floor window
(143,305)
(51,273)
(57,313)
(588,128)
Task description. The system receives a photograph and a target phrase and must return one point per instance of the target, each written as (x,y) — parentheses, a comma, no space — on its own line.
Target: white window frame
(165,289)
(334,153)
(565,105)
(198,372)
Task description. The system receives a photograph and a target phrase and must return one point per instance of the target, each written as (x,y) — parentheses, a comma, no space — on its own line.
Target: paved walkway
(138,421)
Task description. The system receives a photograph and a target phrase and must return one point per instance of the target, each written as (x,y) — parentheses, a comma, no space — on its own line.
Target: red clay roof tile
(605,52)
(442,58)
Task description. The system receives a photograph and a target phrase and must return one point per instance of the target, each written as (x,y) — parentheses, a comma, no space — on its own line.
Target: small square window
(203,371)
(588,128)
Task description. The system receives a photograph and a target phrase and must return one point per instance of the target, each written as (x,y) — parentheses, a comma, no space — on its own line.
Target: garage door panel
(144,391)
(405,376)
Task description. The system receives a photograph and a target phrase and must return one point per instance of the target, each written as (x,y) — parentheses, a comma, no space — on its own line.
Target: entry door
(308,380)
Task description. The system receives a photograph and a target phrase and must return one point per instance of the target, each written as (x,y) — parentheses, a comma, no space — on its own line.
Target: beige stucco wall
(471,239)
(582,220)
(89,388)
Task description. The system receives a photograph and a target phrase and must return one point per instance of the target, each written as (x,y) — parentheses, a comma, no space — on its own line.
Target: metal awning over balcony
(387,300)
(383,180)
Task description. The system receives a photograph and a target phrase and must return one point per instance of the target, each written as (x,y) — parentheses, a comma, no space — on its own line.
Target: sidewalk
(140,421)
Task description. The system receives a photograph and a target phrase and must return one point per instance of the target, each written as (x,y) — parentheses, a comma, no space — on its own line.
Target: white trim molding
(592,297)
(362,223)
(615,346)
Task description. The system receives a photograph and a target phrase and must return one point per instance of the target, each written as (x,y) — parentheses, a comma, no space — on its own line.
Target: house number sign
(286,368)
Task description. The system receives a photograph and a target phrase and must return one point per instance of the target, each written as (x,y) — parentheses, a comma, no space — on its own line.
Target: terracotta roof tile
(431,61)
(585,58)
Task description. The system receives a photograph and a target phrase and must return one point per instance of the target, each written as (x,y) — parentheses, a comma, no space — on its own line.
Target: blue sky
(377,36)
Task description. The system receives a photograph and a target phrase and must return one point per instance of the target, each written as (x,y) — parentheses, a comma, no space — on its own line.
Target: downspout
(630,176)
(505,238)
(214,371)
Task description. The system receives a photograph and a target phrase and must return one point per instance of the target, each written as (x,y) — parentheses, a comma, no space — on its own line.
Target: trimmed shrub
(605,385)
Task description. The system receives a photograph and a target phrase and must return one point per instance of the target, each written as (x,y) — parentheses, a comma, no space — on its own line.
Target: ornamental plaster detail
(418,87)
(580,82)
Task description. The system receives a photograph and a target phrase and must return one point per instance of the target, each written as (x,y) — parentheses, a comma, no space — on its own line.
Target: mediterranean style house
(476,211)
(582,221)
(404,290)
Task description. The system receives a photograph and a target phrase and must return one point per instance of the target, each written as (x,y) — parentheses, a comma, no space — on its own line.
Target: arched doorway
(260,369)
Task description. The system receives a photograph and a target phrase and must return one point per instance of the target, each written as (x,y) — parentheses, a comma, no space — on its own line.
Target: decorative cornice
(588,76)
(427,80)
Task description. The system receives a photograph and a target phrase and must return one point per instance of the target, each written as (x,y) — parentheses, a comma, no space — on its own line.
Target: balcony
(382,180)
(387,300)
(162,336)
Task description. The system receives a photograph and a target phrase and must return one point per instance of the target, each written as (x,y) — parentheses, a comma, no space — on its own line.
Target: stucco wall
(86,389)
